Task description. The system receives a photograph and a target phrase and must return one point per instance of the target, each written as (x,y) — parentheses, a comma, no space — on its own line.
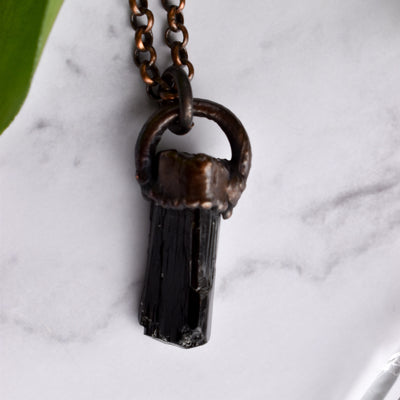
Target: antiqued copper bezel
(238,167)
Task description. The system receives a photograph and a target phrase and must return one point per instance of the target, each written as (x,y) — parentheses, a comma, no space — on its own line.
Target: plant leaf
(24,28)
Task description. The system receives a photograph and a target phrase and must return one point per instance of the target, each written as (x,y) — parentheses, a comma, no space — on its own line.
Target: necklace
(188,192)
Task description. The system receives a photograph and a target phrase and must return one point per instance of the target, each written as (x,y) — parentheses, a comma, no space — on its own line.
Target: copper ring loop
(154,128)
(178,77)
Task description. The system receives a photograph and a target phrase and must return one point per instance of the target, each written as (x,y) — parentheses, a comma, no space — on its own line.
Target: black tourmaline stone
(177,297)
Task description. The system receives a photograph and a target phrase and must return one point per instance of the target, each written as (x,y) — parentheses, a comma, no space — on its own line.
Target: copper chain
(145,55)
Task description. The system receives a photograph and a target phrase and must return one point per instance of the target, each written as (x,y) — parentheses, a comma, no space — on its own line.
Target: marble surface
(307,300)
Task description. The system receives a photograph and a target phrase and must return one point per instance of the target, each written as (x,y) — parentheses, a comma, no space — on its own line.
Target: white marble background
(307,302)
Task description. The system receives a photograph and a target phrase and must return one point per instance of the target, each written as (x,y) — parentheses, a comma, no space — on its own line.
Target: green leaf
(24,28)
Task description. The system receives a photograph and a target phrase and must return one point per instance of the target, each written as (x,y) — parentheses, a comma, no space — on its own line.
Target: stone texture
(177,297)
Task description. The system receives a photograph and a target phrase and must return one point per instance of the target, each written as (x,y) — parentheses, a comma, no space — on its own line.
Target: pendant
(188,194)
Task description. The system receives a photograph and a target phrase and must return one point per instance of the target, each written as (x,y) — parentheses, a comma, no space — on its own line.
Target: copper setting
(220,184)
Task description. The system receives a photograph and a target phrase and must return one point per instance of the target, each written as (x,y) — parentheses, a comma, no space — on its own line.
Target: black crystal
(177,298)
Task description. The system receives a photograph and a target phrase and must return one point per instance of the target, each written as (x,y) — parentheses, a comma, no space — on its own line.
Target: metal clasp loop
(176,77)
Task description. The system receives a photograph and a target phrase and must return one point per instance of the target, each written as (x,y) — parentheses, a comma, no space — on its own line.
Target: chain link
(144,54)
